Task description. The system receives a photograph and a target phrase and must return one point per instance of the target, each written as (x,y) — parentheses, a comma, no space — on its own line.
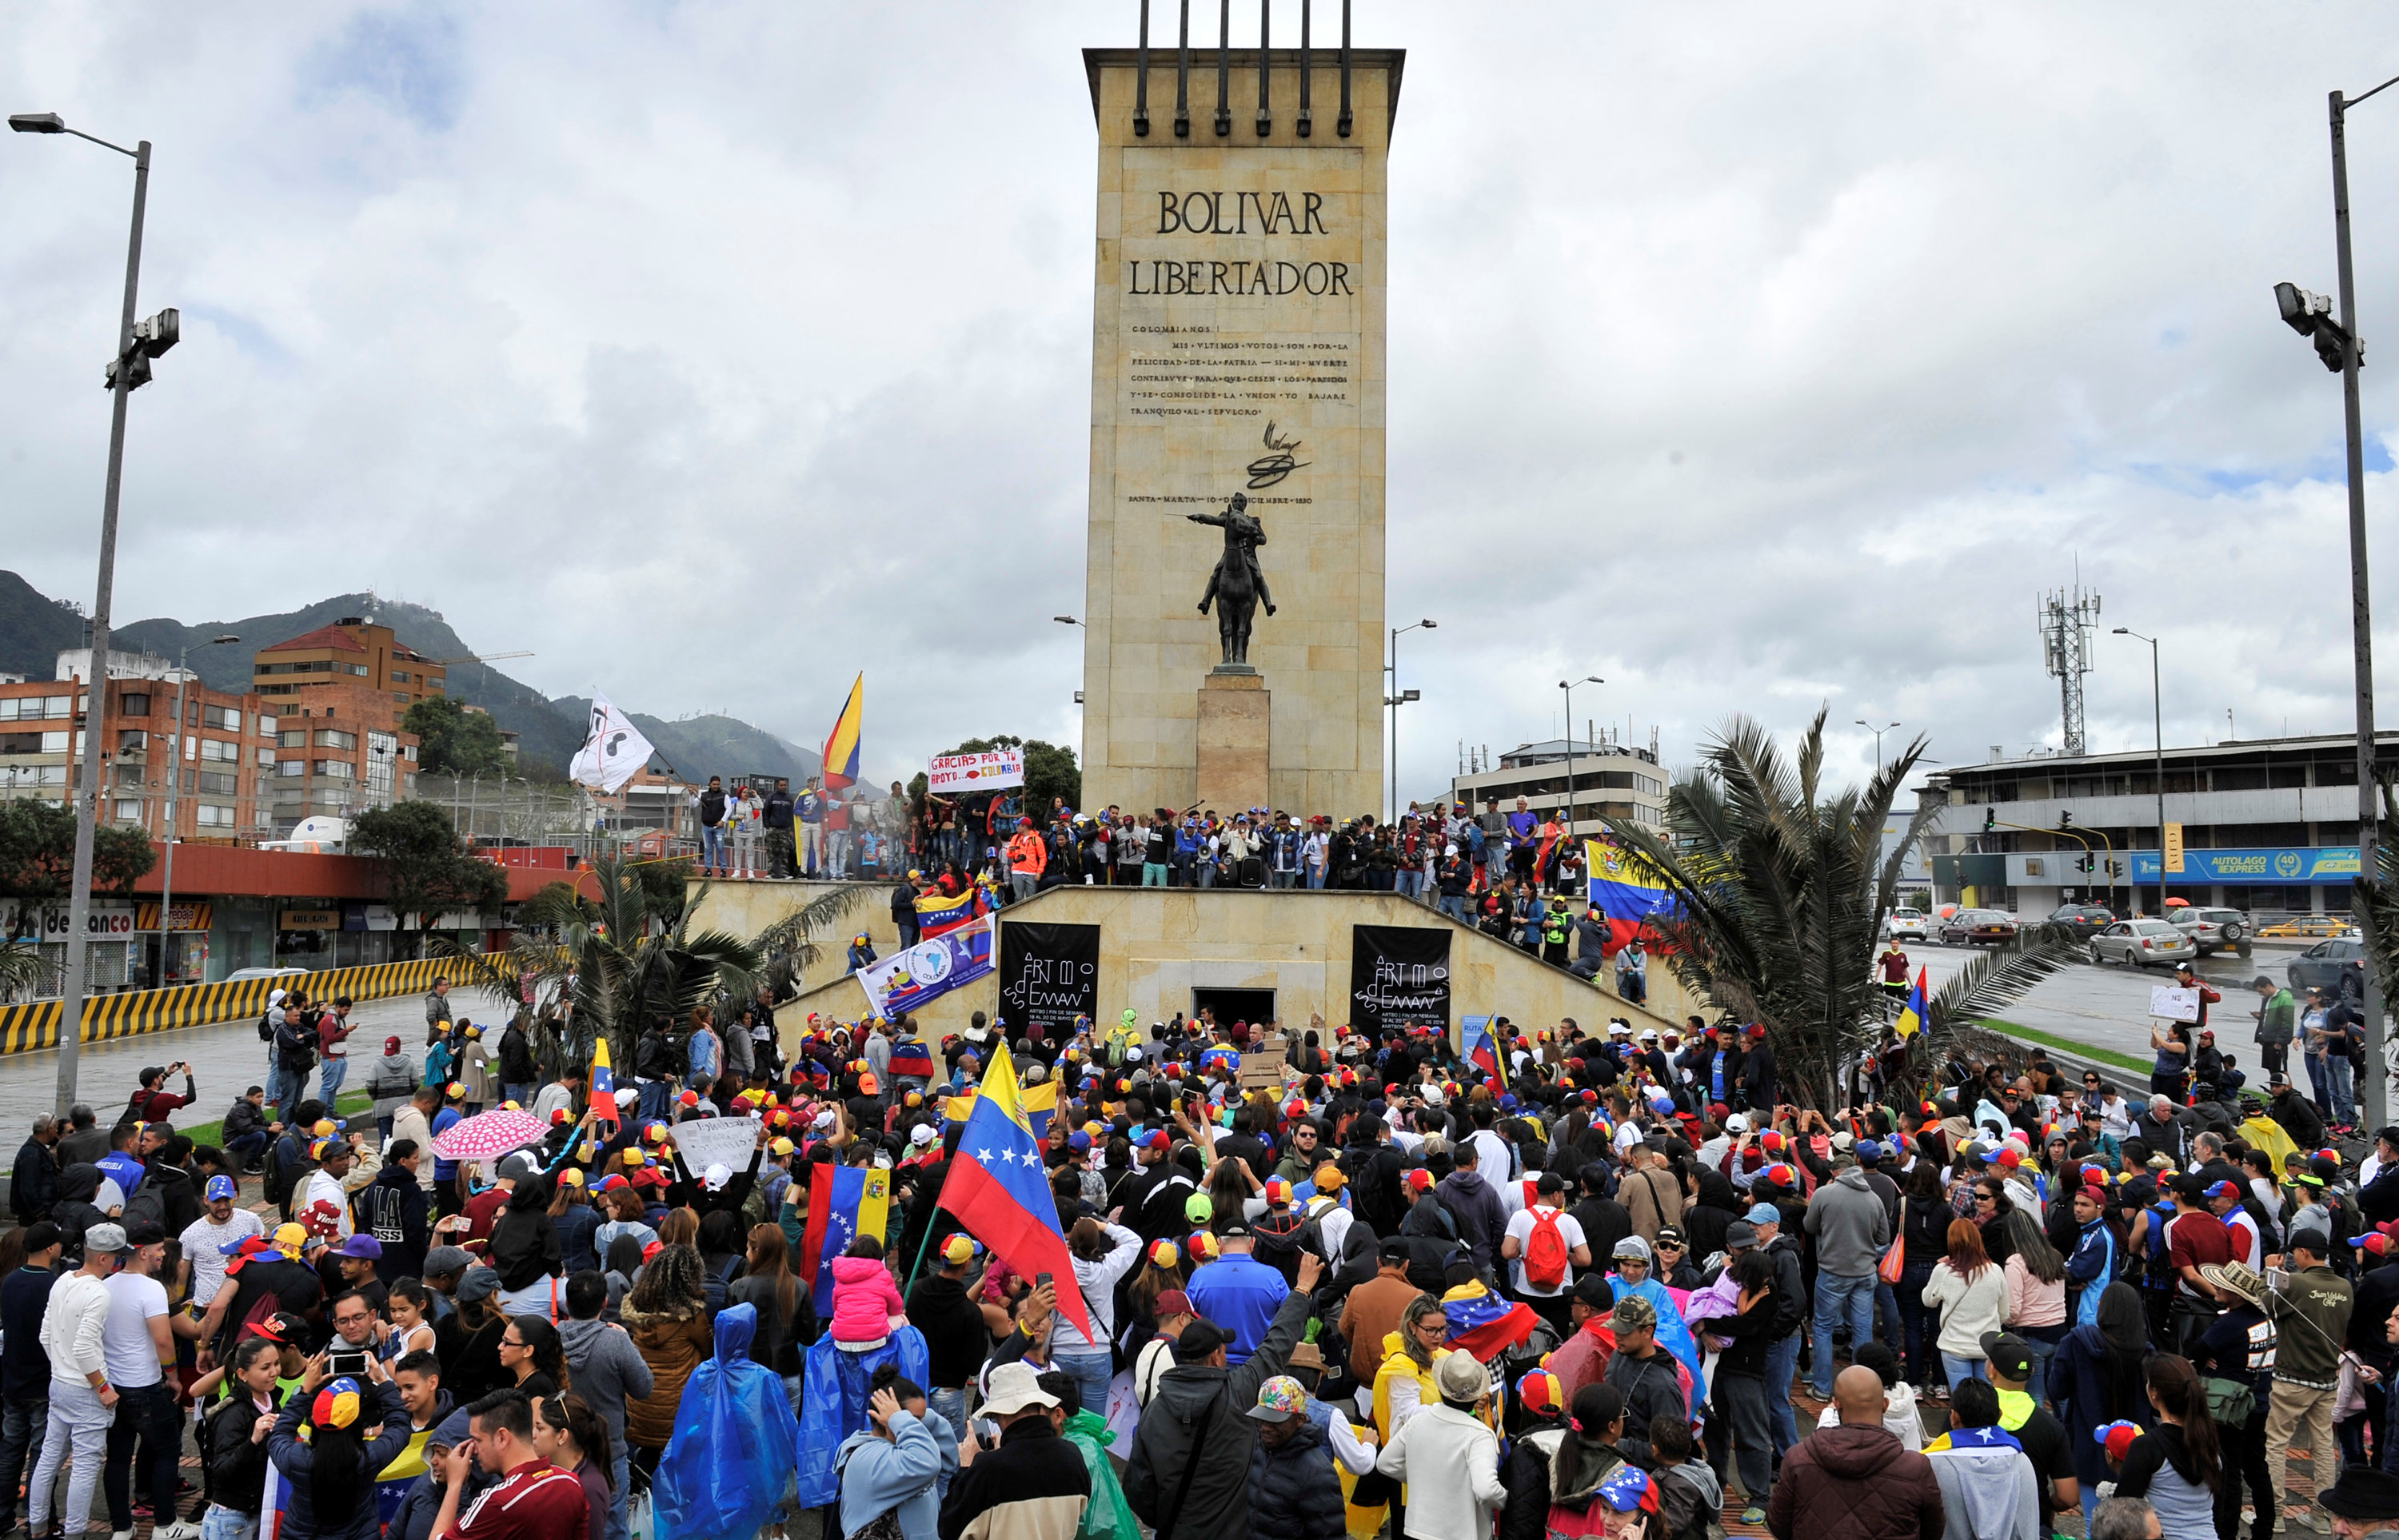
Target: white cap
(921,1134)
(1620,1026)
(1648,1035)
(824,1119)
(627,1097)
(716,1177)
(1737,1123)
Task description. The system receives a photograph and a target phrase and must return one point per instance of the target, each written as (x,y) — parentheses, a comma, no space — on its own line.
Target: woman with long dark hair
(2177,1464)
(2100,1376)
(533,1355)
(2035,1274)
(525,1249)
(356,1428)
(786,1313)
(1968,1292)
(569,1435)
(1924,1221)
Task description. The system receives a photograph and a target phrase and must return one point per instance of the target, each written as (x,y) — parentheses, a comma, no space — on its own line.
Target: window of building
(212,816)
(266,726)
(2239,778)
(294,738)
(132,741)
(397,677)
(21,743)
(265,758)
(56,743)
(330,796)
(291,769)
(128,810)
(133,705)
(128,775)
(334,769)
(223,783)
(57,706)
(227,719)
(2281,777)
(219,751)
(332,738)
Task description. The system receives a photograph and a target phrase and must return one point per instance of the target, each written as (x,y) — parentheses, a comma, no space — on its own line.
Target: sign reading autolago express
(993,771)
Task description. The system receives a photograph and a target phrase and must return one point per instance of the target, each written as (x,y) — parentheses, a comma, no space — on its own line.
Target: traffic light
(2083,865)
(1990,821)
(2065,820)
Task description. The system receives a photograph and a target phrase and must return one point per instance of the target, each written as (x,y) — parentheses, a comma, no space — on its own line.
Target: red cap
(1781,1175)
(2120,1441)
(1420,1180)
(2096,1195)
(2009,1155)
(1757,1029)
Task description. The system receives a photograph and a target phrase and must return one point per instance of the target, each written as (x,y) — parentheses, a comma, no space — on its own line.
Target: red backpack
(1545,1252)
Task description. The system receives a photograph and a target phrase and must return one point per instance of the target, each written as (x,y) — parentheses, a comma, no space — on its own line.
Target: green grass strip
(2105,1056)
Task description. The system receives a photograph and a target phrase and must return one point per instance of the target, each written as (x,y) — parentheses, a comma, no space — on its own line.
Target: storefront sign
(187,914)
(2292,865)
(28,920)
(309,919)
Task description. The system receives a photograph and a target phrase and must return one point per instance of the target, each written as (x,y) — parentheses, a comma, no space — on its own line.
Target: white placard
(707,1141)
(992,771)
(2170,1004)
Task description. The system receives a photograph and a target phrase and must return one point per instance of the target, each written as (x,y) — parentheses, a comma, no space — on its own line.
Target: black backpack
(267,1025)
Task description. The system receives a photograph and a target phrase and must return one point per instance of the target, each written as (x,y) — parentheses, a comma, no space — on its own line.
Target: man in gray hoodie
(1474,1203)
(607,1368)
(1851,1229)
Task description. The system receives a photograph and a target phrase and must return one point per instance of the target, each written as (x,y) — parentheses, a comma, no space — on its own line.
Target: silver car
(2214,930)
(2143,943)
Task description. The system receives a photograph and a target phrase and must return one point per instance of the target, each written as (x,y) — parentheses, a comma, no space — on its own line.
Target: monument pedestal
(1235,715)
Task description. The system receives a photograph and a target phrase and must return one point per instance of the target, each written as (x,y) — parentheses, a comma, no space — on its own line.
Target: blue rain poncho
(728,1465)
(833,1403)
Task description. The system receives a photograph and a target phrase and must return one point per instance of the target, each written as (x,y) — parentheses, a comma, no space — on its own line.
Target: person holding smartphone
(356,1425)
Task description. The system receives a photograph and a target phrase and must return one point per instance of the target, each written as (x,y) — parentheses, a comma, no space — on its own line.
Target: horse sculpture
(1238,586)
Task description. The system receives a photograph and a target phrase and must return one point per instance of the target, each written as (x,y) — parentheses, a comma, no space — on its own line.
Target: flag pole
(931,1223)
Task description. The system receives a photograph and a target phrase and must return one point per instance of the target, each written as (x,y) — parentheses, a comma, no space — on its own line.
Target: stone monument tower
(1236,384)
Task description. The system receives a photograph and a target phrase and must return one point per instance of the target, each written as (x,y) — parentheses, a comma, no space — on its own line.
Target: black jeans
(21,1421)
(2244,1460)
(146,1412)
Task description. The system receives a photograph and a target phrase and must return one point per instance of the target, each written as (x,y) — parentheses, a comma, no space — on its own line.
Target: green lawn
(210,1133)
(2105,1056)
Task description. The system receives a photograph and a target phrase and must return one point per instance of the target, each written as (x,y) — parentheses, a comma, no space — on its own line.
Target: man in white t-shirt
(1550,1299)
(138,1345)
(205,1240)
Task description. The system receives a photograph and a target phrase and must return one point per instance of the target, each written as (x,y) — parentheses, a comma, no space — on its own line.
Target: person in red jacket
(1855,1481)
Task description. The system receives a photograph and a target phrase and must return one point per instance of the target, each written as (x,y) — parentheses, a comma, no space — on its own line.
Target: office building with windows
(339,692)
(2268,826)
(1611,779)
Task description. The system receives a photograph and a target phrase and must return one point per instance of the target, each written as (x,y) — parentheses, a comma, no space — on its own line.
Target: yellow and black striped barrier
(35,1025)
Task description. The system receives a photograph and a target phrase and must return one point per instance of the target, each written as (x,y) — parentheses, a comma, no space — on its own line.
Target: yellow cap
(572,1176)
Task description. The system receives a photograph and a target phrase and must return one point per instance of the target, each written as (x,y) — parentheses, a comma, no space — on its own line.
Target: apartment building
(339,692)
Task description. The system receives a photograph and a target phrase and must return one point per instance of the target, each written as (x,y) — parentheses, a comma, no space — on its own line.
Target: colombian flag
(997,1189)
(1474,1038)
(844,1202)
(841,744)
(1912,1015)
(603,1082)
(1628,898)
(936,914)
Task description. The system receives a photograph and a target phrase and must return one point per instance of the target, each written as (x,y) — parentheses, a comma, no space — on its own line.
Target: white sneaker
(120,1534)
(184,1530)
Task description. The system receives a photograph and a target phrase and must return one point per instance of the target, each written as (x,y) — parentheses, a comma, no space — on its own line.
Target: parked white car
(1907,925)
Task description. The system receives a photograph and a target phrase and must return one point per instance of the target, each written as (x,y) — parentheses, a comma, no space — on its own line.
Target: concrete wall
(744,908)
(1158,944)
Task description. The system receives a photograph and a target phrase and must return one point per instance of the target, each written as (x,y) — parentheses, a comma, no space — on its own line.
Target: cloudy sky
(1753,357)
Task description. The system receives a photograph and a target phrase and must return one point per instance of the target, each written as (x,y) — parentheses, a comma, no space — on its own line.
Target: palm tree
(23,971)
(1780,898)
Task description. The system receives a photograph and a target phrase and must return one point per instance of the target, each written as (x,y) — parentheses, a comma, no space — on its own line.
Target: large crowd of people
(1591,1280)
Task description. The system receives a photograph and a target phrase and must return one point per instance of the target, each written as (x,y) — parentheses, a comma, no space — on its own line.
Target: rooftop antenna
(2066,617)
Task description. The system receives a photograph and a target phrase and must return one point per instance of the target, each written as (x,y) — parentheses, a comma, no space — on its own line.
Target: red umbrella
(2177,903)
(488,1135)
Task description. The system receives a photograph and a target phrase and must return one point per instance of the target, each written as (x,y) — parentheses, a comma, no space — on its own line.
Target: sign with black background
(1048,974)
(1399,974)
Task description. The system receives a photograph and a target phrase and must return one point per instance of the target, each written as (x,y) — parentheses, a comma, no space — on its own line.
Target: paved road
(226,1060)
(2108,1008)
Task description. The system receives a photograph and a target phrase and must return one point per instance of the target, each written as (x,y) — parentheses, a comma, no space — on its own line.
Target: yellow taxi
(2304,926)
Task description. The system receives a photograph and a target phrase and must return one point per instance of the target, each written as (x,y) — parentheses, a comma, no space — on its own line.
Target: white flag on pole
(615,750)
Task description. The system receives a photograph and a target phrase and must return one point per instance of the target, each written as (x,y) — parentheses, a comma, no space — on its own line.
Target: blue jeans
(1959,1370)
(1918,1323)
(1781,1363)
(1454,905)
(20,1432)
(657,1097)
(2336,1078)
(1091,1368)
(617,1526)
(519,1091)
(1316,879)
(221,1524)
(712,845)
(951,1407)
(248,1146)
(2037,1385)
(1837,1296)
(336,1070)
(1409,883)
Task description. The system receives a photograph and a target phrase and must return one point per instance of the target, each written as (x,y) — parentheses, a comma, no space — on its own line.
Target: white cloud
(1748,357)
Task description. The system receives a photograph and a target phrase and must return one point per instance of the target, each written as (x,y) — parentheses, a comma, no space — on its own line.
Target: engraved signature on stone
(1277,462)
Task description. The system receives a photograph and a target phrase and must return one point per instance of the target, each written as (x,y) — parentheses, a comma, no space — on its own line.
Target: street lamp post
(1396,700)
(2337,344)
(1878,733)
(136,345)
(2157,726)
(1567,685)
(174,786)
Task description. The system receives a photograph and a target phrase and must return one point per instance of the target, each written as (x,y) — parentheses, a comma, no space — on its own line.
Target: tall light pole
(136,345)
(2157,726)
(1567,685)
(2337,343)
(1397,698)
(175,784)
(1877,732)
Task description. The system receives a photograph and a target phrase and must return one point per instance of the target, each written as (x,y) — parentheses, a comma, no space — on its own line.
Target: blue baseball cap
(1765,1214)
(221,1187)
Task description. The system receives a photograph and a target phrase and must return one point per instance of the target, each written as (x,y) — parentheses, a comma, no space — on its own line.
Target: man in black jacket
(774,816)
(1033,1485)
(24,1367)
(33,1185)
(1189,1474)
(955,1337)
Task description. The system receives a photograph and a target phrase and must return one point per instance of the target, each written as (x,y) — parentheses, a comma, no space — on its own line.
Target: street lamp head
(2124,631)
(1429,625)
(2300,308)
(221,641)
(1065,620)
(37,123)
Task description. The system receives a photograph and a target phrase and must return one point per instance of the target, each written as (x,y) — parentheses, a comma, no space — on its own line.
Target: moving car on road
(2303,925)
(2143,943)
(2214,930)
(2082,921)
(1907,925)
(1978,927)
(2337,964)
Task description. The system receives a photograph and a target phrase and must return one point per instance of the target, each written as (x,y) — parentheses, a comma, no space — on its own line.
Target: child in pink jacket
(866,1304)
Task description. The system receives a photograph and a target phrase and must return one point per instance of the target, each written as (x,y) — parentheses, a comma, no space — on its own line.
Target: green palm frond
(22,969)
(795,936)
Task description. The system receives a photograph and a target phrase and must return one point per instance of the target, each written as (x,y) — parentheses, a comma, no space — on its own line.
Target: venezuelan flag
(603,1082)
(844,1202)
(1627,896)
(936,914)
(1481,1051)
(911,1059)
(1912,1015)
(998,1190)
(1482,1323)
(957,1109)
(841,744)
(1040,1104)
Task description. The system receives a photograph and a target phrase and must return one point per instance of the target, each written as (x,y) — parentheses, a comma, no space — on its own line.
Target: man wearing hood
(1199,1413)
(1855,1481)
(893,1465)
(1852,1229)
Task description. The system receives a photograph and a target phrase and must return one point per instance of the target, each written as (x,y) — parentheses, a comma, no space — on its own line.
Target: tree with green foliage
(452,740)
(1779,899)
(427,868)
(38,852)
(1049,771)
